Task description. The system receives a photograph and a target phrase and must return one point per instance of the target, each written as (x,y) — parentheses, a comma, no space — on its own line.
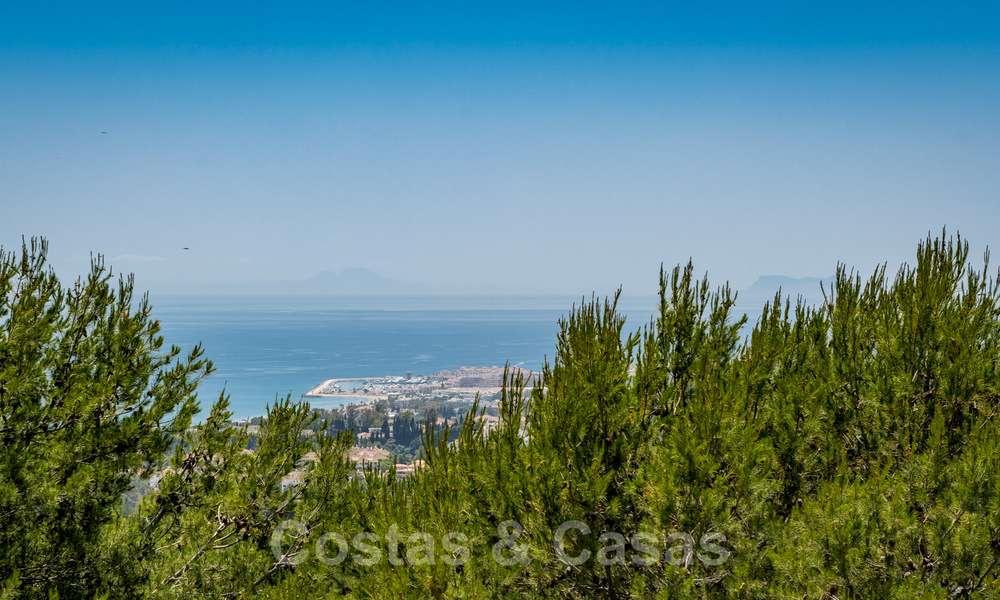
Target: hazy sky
(532,147)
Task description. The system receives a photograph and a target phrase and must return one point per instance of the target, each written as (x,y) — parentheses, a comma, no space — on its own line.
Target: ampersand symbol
(509,532)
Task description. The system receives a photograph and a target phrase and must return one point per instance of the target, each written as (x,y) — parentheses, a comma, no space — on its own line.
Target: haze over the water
(512,148)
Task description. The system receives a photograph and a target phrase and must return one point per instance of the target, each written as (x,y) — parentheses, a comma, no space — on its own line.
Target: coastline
(462,384)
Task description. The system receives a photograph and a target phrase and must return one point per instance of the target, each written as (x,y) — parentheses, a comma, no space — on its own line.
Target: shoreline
(464,381)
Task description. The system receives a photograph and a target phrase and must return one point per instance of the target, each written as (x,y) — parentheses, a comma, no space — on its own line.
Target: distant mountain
(354,281)
(765,287)
(357,281)
(360,282)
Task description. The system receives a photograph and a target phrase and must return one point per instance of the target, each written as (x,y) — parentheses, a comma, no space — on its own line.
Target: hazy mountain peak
(773,282)
(359,281)
(766,286)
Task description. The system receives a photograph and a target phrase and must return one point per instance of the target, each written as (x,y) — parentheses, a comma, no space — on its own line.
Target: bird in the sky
(186,248)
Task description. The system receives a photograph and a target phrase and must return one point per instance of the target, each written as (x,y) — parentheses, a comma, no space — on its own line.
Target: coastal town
(385,414)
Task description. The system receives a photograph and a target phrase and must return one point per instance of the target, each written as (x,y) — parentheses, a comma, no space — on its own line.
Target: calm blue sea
(265,347)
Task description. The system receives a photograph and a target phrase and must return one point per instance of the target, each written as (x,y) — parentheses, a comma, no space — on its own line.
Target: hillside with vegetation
(845,449)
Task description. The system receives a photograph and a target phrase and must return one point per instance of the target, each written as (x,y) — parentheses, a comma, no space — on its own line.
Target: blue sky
(521,148)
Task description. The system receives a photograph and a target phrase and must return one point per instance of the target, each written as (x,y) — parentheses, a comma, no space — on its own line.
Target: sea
(270,347)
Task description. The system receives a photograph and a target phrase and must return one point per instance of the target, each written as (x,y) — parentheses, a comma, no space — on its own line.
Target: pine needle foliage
(88,398)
